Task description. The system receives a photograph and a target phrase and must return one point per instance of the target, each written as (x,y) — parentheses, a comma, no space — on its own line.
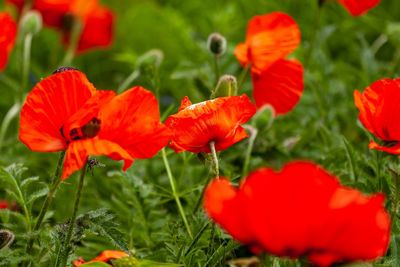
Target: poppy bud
(31,22)
(264,117)
(227,86)
(6,238)
(216,44)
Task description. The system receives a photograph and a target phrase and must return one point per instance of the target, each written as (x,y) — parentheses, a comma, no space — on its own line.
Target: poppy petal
(359,7)
(132,120)
(395,149)
(49,106)
(377,104)
(8,34)
(270,37)
(281,86)
(242,54)
(78,152)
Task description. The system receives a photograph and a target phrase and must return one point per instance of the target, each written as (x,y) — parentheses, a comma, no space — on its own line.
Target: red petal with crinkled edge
(301,211)
(218,120)
(8,34)
(132,120)
(359,7)
(269,38)
(49,106)
(379,108)
(281,86)
(78,152)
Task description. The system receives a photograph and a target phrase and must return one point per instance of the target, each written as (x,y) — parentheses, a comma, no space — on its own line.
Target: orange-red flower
(378,106)
(66,112)
(8,33)
(359,7)
(218,120)
(301,211)
(277,82)
(97,21)
(105,256)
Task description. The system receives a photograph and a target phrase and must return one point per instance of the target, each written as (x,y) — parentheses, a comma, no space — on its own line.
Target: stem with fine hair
(174,193)
(215,164)
(67,241)
(216,69)
(253,134)
(26,59)
(73,42)
(55,182)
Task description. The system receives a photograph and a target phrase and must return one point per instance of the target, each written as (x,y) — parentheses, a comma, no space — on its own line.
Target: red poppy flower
(4,204)
(218,120)
(301,211)
(276,81)
(378,105)
(65,112)
(8,33)
(97,20)
(105,256)
(359,7)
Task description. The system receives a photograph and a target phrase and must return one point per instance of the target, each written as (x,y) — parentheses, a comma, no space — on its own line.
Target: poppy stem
(67,241)
(26,58)
(242,77)
(253,134)
(174,193)
(55,182)
(216,69)
(73,42)
(214,159)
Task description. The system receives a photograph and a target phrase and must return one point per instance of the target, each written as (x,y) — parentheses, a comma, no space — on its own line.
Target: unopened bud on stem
(227,86)
(31,22)
(216,44)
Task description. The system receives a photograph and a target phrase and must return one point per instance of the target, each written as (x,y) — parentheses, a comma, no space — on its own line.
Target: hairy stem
(253,134)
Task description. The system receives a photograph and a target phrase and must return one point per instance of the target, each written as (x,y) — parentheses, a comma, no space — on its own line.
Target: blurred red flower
(97,20)
(218,120)
(276,81)
(378,106)
(66,112)
(105,256)
(8,34)
(359,7)
(4,204)
(301,211)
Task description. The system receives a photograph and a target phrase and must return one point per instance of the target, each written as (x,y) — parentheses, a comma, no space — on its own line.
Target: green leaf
(26,182)
(36,195)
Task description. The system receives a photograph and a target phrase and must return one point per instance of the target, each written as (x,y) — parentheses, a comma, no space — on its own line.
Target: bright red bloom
(8,34)
(276,81)
(105,256)
(218,120)
(4,204)
(378,106)
(301,211)
(97,20)
(65,112)
(359,7)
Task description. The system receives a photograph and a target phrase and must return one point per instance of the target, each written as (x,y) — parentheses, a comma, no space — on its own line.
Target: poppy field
(200,133)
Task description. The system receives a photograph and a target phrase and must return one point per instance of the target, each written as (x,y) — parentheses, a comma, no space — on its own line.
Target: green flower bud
(31,22)
(216,44)
(227,86)
(264,117)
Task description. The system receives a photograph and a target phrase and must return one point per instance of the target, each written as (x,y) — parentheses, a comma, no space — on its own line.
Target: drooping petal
(49,106)
(394,149)
(281,86)
(132,120)
(359,7)
(379,109)
(8,34)
(269,38)
(218,120)
(78,152)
